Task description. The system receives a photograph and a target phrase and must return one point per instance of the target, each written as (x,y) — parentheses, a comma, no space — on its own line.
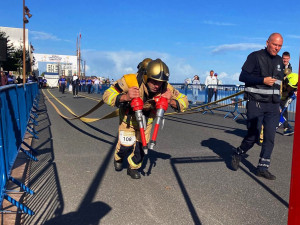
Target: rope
(116,112)
(81,117)
(211,103)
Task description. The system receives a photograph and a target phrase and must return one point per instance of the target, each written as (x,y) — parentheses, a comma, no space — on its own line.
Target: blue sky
(191,37)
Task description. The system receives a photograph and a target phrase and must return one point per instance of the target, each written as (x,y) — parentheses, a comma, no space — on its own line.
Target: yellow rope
(116,112)
(211,103)
(81,117)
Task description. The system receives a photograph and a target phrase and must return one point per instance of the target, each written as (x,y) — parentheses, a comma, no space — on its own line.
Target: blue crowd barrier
(16,109)
(237,108)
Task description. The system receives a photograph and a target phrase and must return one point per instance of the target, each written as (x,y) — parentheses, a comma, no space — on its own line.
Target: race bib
(127,138)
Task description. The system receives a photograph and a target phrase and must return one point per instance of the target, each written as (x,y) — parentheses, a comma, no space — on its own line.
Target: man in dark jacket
(262,74)
(75,85)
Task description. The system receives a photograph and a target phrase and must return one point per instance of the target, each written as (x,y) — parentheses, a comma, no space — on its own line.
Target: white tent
(52,79)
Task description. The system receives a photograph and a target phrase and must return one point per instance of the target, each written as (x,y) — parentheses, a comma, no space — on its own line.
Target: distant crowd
(9,78)
(84,84)
(211,83)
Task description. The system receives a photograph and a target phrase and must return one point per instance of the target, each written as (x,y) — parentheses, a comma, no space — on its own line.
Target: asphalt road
(186,180)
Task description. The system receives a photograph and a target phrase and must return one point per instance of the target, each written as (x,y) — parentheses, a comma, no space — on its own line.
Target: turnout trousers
(266,114)
(130,142)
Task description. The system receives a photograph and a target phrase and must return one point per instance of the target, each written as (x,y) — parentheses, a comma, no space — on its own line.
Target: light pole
(25,20)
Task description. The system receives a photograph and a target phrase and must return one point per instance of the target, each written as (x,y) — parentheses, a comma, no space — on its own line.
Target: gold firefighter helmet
(157,70)
(144,64)
(287,71)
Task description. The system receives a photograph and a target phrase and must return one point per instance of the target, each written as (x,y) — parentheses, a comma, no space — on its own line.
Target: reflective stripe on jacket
(267,66)
(126,114)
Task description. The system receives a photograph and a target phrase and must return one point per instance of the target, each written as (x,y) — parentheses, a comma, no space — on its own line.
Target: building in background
(15,40)
(61,64)
(15,37)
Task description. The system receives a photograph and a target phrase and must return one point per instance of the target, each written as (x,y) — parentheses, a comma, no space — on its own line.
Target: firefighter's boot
(118,164)
(134,173)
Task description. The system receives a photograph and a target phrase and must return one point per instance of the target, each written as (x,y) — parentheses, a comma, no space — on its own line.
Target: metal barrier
(223,91)
(238,109)
(16,117)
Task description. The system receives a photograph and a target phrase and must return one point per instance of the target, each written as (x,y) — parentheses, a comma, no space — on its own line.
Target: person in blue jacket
(62,83)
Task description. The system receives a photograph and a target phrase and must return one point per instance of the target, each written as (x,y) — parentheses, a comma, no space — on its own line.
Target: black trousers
(216,94)
(210,93)
(261,113)
(63,87)
(75,89)
(89,86)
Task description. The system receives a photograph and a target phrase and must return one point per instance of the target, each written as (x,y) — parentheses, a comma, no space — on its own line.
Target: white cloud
(230,79)
(222,75)
(236,76)
(218,23)
(115,64)
(294,36)
(39,35)
(236,47)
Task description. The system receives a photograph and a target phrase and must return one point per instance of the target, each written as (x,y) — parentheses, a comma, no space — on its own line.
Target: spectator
(3,80)
(30,79)
(83,85)
(187,81)
(44,82)
(211,84)
(62,84)
(75,85)
(19,80)
(219,82)
(286,60)
(89,85)
(196,87)
(10,78)
(96,85)
(40,82)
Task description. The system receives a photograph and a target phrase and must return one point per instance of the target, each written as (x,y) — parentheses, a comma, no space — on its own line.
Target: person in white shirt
(75,85)
(96,85)
(211,85)
(196,87)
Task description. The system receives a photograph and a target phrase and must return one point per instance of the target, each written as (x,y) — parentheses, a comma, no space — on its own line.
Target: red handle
(137,104)
(161,103)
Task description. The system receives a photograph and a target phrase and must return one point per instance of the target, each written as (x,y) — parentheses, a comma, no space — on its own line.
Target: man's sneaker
(288,131)
(118,165)
(235,161)
(134,173)
(265,174)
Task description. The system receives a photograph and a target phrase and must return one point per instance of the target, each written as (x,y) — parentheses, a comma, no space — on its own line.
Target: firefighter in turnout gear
(262,74)
(289,87)
(150,82)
